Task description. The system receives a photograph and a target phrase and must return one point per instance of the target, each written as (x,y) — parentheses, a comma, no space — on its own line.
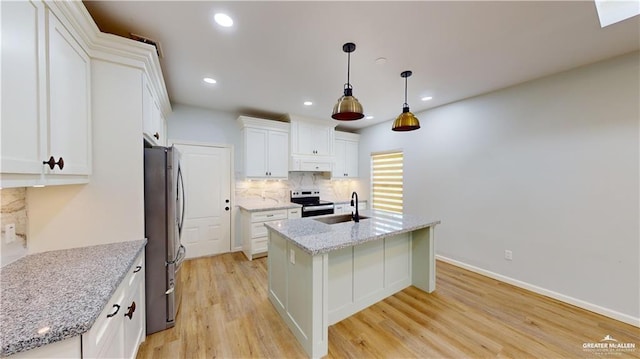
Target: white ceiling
(280,54)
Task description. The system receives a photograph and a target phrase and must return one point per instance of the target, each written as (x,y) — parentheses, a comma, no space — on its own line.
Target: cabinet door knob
(226,208)
(114,313)
(52,162)
(156,135)
(130,310)
(226,201)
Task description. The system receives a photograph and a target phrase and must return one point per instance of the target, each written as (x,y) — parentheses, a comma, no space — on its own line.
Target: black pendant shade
(348,108)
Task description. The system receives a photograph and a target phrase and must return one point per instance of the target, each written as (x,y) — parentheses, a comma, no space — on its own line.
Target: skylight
(613,11)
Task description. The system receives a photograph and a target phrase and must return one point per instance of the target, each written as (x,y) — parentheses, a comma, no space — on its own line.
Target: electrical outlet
(292,256)
(10,233)
(508,255)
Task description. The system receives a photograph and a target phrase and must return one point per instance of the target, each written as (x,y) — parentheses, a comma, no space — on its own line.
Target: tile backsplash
(278,191)
(13,208)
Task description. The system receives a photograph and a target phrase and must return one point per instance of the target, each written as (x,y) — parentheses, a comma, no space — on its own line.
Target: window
(386,181)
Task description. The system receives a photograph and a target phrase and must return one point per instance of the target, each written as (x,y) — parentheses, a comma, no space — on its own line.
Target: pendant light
(406,121)
(348,108)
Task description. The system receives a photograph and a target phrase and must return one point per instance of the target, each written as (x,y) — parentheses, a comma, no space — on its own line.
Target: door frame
(232,183)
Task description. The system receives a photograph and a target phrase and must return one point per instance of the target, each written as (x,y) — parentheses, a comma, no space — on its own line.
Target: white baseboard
(548,293)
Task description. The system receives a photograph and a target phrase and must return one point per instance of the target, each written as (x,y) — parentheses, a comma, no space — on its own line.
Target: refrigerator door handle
(182,209)
(182,252)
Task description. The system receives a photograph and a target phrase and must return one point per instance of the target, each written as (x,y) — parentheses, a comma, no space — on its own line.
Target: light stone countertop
(63,290)
(316,237)
(256,207)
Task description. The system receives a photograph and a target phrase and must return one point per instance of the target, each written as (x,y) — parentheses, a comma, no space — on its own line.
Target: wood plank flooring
(225,313)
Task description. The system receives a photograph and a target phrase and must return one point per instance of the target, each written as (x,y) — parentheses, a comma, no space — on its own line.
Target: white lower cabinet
(119,330)
(134,315)
(346,207)
(254,233)
(294,213)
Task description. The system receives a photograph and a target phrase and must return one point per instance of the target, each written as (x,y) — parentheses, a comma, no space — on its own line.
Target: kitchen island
(320,274)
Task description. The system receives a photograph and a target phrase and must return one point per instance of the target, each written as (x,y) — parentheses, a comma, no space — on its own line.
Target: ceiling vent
(147,40)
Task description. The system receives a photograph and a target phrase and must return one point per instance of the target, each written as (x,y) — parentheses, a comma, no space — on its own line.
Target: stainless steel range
(311,203)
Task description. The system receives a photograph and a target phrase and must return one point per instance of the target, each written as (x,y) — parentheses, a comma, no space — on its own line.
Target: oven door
(310,211)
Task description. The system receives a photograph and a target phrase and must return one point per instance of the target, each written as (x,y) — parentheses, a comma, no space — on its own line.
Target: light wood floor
(225,313)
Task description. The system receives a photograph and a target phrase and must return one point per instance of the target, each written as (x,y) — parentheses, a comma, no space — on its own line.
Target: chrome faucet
(355,216)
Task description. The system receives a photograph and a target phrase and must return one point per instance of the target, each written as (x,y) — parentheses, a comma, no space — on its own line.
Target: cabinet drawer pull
(156,135)
(52,162)
(114,313)
(138,268)
(130,310)
(269,215)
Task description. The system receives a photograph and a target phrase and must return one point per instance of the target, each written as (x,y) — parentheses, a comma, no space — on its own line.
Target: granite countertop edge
(296,240)
(267,207)
(21,336)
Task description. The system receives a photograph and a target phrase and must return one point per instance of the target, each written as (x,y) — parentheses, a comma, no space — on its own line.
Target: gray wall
(547,169)
(196,124)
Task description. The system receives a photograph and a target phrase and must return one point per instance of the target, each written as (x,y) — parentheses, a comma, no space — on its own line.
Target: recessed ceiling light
(209,80)
(369,117)
(427,98)
(223,20)
(308,103)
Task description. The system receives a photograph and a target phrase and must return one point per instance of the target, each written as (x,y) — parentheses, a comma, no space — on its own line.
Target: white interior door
(207,182)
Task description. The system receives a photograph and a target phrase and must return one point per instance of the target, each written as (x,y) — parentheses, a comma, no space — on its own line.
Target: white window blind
(386,179)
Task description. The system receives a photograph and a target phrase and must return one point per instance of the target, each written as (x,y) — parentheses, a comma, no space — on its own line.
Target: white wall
(111,207)
(548,169)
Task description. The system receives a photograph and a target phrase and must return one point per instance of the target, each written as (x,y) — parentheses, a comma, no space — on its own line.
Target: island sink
(340,218)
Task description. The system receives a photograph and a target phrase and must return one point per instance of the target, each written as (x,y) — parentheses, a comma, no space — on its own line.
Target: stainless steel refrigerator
(164,215)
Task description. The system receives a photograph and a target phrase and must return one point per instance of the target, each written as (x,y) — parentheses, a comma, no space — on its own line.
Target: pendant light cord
(405,93)
(348,68)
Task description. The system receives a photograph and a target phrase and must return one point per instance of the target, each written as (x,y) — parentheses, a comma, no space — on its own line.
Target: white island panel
(320,274)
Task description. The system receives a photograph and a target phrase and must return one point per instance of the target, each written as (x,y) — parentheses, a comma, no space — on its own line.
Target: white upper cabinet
(21,49)
(312,144)
(153,122)
(46,99)
(346,147)
(265,147)
(69,101)
(311,137)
